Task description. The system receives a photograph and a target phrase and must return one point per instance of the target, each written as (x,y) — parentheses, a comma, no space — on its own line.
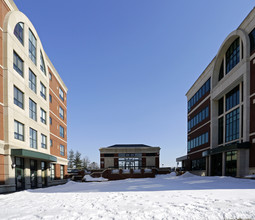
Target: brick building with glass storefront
(221,109)
(33,143)
(129,156)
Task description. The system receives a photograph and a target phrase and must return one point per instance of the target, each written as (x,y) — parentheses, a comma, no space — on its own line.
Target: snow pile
(187,174)
(250,176)
(116,171)
(147,170)
(172,174)
(125,171)
(163,197)
(88,178)
(137,171)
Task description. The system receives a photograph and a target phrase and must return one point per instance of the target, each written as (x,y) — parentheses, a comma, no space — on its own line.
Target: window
(200,140)
(61,172)
(61,94)
(32,110)
(50,120)
(43,91)
(221,73)
(18,97)
(50,76)
(43,116)
(42,65)
(33,138)
(32,47)
(199,164)
(252,40)
(199,94)
(220,106)
(50,98)
(61,113)
(18,31)
(232,55)
(44,141)
(18,130)
(52,171)
(198,118)
(232,125)
(18,63)
(61,131)
(32,81)
(232,98)
(50,142)
(62,150)
(231,163)
(220,130)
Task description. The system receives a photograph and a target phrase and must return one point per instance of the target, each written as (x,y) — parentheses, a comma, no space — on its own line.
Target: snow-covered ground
(163,197)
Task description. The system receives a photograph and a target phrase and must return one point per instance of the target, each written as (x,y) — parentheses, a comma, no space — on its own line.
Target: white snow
(88,178)
(163,197)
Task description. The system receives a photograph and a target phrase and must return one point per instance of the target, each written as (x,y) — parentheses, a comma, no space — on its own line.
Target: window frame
(33,138)
(19,34)
(32,47)
(16,100)
(17,134)
(32,85)
(32,112)
(18,64)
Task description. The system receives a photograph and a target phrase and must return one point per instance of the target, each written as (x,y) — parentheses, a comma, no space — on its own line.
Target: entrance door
(231,163)
(44,176)
(19,173)
(216,165)
(33,173)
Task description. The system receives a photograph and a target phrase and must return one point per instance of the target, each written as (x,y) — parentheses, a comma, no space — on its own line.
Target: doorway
(19,173)
(33,173)
(44,175)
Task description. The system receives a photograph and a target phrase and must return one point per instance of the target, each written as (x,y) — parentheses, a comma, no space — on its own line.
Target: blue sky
(129,63)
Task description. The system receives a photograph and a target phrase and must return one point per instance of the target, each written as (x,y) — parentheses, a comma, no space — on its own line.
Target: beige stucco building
(33,144)
(129,156)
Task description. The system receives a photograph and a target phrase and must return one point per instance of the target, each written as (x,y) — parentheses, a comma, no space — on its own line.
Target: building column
(242,166)
(209,165)
(223,163)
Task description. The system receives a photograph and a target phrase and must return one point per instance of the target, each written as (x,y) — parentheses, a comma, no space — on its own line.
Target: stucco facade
(129,156)
(27,151)
(230,98)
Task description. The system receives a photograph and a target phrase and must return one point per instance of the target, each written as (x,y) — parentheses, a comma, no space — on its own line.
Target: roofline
(56,72)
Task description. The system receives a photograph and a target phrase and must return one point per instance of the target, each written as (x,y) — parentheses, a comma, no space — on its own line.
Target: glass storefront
(130,163)
(33,173)
(19,173)
(231,163)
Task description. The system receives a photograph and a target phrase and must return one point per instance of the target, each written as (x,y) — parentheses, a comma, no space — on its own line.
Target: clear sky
(129,63)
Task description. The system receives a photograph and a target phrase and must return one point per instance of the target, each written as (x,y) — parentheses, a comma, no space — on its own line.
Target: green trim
(33,154)
(226,148)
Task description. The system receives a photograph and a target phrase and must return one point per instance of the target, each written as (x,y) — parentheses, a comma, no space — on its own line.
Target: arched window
(18,31)
(42,65)
(233,55)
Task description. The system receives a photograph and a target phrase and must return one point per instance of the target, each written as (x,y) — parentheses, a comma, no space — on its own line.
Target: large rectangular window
(32,110)
(220,130)
(62,150)
(43,91)
(61,112)
(18,97)
(232,125)
(252,40)
(232,55)
(32,47)
(43,116)
(18,63)
(61,131)
(33,138)
(199,164)
(32,81)
(44,141)
(18,130)
(232,98)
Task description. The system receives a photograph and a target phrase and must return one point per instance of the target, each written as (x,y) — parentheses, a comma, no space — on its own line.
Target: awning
(179,159)
(226,148)
(33,154)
